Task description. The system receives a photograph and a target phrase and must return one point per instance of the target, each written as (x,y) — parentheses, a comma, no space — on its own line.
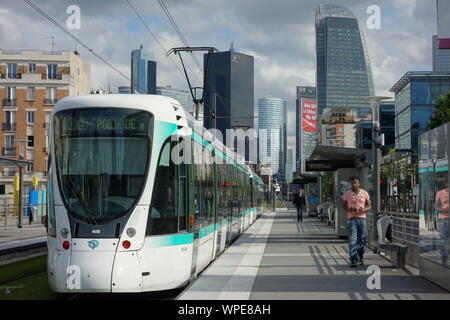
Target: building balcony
(51,77)
(10,102)
(9,127)
(9,151)
(11,76)
(50,101)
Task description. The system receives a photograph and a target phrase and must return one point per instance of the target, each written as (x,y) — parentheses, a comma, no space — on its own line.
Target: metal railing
(50,101)
(9,151)
(9,102)
(9,126)
(32,214)
(399,204)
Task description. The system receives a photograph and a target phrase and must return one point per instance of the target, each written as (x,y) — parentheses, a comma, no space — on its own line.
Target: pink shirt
(442,203)
(355,202)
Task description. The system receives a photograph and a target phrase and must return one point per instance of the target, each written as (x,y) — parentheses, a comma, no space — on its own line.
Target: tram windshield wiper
(83,201)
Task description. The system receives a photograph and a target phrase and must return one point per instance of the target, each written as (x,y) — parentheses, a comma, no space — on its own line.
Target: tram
(122,215)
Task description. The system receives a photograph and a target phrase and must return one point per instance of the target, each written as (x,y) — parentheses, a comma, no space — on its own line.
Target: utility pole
(195,99)
(376,152)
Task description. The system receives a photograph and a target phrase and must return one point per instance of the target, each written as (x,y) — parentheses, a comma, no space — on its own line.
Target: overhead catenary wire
(45,15)
(153,35)
(180,34)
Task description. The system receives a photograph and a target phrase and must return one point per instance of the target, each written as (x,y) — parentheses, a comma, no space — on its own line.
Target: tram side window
(169,196)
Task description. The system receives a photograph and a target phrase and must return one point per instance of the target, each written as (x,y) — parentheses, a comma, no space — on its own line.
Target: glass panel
(434,195)
(420,93)
(102,157)
(420,116)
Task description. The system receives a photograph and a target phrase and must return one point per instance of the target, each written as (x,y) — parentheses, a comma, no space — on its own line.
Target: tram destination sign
(90,122)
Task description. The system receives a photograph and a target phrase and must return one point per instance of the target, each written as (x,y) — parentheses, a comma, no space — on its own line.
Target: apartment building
(31,82)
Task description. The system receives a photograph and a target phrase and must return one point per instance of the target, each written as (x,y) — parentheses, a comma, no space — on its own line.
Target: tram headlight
(64,232)
(131,232)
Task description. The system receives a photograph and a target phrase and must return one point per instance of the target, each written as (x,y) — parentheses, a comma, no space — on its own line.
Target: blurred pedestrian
(300,203)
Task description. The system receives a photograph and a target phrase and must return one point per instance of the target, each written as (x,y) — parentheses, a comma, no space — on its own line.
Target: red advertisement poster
(309,115)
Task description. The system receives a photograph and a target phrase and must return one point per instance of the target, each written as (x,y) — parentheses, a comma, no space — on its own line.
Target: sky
(279,34)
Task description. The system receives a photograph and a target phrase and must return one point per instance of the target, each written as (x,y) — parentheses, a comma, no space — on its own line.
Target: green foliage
(441,113)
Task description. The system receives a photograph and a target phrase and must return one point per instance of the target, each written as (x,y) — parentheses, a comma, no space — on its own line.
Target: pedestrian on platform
(356,203)
(300,203)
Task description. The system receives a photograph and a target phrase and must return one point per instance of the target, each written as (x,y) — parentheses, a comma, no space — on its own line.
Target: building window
(32,68)
(30,116)
(30,141)
(11,93)
(51,71)
(10,121)
(12,70)
(31,95)
(2,189)
(10,146)
(50,95)
(30,167)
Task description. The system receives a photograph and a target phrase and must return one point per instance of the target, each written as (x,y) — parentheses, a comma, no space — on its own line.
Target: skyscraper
(441,57)
(305,140)
(272,116)
(343,67)
(229,91)
(182,96)
(143,72)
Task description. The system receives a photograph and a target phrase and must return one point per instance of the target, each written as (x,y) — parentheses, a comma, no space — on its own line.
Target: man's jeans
(300,213)
(357,238)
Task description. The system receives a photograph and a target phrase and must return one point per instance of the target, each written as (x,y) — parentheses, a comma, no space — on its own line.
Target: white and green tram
(124,217)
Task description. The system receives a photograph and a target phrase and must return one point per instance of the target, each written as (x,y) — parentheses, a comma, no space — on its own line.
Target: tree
(441,113)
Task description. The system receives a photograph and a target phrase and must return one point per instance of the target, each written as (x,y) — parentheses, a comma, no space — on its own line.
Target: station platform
(280,259)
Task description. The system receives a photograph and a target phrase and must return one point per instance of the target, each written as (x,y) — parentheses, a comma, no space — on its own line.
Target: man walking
(356,203)
(300,203)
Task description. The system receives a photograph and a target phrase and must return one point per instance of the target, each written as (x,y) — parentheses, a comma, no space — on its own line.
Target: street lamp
(376,152)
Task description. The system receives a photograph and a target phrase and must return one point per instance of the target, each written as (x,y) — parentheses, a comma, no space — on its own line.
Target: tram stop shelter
(312,189)
(16,163)
(344,163)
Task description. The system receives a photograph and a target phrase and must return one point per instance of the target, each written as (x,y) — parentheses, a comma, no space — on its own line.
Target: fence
(405,223)
(31,215)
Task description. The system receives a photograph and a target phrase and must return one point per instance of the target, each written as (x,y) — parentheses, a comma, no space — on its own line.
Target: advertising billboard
(309,115)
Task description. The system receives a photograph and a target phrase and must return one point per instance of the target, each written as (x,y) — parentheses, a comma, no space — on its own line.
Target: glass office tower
(143,72)
(229,91)
(272,116)
(416,93)
(343,67)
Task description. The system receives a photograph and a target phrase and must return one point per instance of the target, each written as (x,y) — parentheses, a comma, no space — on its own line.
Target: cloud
(280,35)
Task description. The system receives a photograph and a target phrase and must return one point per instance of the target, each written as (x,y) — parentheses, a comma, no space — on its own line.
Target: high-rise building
(305,139)
(143,72)
(338,127)
(387,127)
(272,116)
(344,73)
(229,91)
(416,93)
(31,82)
(290,164)
(182,96)
(441,57)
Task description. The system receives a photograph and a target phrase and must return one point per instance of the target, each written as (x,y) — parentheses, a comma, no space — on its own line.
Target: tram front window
(102,157)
